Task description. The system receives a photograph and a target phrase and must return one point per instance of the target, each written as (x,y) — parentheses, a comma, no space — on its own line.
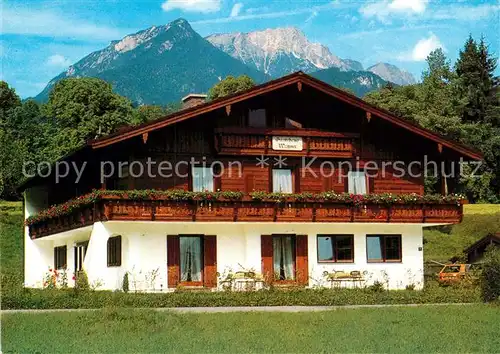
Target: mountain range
(162,64)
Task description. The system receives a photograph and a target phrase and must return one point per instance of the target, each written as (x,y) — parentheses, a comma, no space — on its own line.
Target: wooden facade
(330,126)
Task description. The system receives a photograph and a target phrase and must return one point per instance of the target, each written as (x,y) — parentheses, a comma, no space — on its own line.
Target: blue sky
(41,38)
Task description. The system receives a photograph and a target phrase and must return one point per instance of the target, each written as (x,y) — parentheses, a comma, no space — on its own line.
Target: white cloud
(417,6)
(257,13)
(466,13)
(235,11)
(46,23)
(204,6)
(385,8)
(422,49)
(58,60)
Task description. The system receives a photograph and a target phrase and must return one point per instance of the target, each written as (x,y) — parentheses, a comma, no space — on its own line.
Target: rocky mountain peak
(392,73)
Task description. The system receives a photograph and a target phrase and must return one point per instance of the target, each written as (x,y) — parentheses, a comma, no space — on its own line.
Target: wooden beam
(228,110)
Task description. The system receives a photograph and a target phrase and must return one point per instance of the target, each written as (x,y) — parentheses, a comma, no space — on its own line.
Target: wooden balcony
(247,210)
(284,142)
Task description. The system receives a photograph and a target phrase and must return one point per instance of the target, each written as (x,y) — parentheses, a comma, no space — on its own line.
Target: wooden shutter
(173,250)
(210,261)
(302,268)
(266,246)
(249,183)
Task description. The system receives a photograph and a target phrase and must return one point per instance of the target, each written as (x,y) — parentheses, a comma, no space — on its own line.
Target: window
(60,254)
(80,251)
(356,182)
(257,118)
(383,248)
(115,251)
(282,181)
(284,257)
(203,179)
(335,248)
(122,182)
(191,259)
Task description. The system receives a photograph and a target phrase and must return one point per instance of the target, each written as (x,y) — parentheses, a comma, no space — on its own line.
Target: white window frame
(207,178)
(277,185)
(353,177)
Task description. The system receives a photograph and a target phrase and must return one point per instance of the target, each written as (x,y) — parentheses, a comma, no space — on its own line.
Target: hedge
(72,299)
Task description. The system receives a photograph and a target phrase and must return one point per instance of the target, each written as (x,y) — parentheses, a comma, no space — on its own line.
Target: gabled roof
(491,238)
(274,85)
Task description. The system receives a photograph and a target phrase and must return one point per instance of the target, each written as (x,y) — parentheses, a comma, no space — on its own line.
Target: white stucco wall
(144,250)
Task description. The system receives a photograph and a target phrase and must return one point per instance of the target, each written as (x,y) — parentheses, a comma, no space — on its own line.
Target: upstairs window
(356,181)
(257,118)
(114,251)
(282,181)
(60,260)
(203,179)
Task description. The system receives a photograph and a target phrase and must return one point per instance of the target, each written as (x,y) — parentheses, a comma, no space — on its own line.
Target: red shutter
(302,268)
(173,250)
(266,246)
(210,261)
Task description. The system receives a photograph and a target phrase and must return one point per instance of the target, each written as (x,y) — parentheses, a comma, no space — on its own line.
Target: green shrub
(376,287)
(125,284)
(490,279)
(48,299)
(82,281)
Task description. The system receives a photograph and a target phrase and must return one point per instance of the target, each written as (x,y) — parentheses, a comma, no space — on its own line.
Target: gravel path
(246,308)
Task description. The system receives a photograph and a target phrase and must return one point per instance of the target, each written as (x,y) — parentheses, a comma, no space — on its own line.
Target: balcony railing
(284,142)
(109,208)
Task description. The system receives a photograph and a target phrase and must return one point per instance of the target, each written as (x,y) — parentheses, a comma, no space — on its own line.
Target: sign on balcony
(287,143)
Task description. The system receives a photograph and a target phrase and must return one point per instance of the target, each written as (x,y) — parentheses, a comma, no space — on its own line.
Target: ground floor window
(191,258)
(383,248)
(80,252)
(335,248)
(284,257)
(60,254)
(115,251)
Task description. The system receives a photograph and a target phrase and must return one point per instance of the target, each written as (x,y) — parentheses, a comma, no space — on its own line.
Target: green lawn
(443,243)
(11,238)
(456,329)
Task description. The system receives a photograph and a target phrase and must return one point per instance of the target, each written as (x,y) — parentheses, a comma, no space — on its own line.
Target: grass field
(443,243)
(457,329)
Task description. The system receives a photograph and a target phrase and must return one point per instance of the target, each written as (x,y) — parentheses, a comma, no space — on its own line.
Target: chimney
(193,99)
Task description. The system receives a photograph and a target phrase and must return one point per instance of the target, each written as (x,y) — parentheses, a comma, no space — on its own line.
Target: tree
(477,84)
(230,85)
(8,100)
(85,108)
